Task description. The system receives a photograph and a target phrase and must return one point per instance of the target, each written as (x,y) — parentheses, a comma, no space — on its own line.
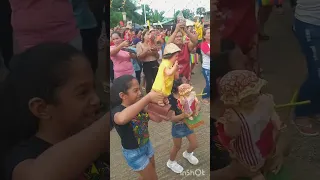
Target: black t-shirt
(35,146)
(135,133)
(174,107)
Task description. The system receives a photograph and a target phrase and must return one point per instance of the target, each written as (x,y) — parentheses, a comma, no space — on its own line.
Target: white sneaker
(174,166)
(190,157)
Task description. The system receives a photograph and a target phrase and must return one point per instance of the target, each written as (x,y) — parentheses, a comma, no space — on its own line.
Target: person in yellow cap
(167,71)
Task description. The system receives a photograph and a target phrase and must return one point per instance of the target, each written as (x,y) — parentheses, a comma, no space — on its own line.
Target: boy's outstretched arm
(169,71)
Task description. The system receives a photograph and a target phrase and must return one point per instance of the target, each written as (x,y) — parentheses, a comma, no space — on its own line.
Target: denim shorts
(138,159)
(180,130)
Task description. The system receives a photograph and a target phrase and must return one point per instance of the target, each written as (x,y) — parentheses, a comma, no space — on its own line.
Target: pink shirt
(122,64)
(38,21)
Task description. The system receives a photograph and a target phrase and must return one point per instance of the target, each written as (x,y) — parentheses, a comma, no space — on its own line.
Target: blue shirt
(162,47)
(136,40)
(84,17)
(135,63)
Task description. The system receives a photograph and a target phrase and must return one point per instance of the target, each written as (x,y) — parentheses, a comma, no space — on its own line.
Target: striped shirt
(255,141)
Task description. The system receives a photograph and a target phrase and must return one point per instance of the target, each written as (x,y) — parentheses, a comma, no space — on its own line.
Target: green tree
(117,8)
(157,16)
(187,13)
(115,18)
(148,11)
(200,11)
(152,15)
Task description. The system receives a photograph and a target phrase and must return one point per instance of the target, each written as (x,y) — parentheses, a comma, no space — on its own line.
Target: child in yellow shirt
(167,72)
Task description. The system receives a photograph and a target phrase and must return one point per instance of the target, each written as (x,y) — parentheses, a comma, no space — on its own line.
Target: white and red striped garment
(256,140)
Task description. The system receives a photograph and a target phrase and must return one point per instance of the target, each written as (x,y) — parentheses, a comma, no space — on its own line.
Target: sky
(168,6)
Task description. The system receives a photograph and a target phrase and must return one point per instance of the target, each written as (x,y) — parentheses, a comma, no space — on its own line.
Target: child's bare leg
(193,144)
(148,173)
(175,149)
(161,103)
(153,162)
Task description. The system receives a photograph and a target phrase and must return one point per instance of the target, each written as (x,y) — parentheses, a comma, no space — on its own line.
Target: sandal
(304,129)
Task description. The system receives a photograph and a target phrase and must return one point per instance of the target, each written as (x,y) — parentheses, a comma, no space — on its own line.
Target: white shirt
(205,60)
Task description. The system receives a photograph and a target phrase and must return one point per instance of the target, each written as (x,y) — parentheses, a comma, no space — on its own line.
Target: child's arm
(177,118)
(130,112)
(231,124)
(171,71)
(176,76)
(48,165)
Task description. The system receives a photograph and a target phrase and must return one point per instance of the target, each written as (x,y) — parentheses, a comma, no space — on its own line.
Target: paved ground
(285,69)
(162,142)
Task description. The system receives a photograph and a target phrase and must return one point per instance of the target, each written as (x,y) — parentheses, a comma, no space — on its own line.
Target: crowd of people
(249,140)
(148,61)
(49,105)
(139,53)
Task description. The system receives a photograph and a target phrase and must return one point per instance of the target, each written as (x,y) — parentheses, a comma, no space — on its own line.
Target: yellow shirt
(163,83)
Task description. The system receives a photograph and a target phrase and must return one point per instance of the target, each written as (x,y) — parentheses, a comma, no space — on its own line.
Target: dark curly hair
(176,84)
